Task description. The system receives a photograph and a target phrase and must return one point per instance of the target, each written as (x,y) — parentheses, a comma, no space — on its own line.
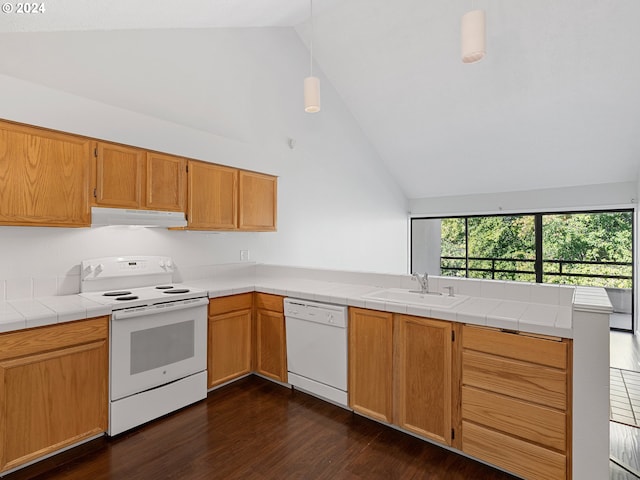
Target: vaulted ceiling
(556,101)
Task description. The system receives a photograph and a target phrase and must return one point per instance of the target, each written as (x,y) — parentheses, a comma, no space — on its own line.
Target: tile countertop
(37,312)
(532,317)
(545,316)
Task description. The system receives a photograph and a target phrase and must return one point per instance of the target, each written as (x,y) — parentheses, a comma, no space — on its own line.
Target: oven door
(152,346)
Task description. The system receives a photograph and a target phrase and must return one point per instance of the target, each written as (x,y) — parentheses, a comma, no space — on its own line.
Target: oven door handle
(158,308)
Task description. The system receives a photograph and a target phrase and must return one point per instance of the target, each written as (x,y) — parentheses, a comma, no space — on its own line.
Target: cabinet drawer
(518,456)
(526,381)
(232,303)
(538,424)
(273,303)
(550,353)
(43,339)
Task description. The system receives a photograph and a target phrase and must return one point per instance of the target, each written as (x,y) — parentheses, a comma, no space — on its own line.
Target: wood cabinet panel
(423,376)
(229,346)
(522,458)
(52,399)
(535,423)
(258,201)
(267,301)
(230,303)
(516,402)
(371,363)
(517,346)
(119,174)
(212,197)
(166,182)
(271,347)
(43,339)
(44,177)
(535,383)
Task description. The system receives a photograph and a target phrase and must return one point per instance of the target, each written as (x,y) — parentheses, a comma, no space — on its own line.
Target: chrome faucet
(423,280)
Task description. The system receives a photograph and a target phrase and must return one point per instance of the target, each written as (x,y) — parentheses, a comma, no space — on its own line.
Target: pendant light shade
(312,94)
(473,36)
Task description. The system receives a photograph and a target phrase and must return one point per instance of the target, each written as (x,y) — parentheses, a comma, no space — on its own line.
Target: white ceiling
(555,103)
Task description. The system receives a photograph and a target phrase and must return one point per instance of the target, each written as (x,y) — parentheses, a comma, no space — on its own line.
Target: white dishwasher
(317,348)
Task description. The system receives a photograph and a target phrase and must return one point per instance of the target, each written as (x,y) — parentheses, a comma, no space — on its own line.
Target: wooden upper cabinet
(44,177)
(258,201)
(127,177)
(212,197)
(119,172)
(166,185)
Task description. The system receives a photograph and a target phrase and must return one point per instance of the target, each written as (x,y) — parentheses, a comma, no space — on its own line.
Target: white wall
(623,194)
(338,206)
(426,239)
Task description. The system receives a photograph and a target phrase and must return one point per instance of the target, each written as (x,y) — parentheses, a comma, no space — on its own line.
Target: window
(574,248)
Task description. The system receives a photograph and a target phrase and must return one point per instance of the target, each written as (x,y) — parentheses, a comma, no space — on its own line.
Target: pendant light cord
(311,43)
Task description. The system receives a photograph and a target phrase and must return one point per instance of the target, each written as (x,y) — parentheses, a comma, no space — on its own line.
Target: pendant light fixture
(311,83)
(473,36)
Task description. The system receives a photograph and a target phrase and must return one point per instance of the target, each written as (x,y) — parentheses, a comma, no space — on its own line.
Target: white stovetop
(541,309)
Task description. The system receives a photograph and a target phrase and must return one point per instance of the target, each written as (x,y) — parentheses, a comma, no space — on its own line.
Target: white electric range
(158,337)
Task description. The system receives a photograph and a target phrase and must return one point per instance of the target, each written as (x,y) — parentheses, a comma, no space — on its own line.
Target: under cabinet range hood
(101,216)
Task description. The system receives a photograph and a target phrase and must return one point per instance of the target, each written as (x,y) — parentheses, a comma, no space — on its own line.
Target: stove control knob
(169,264)
(162,264)
(98,268)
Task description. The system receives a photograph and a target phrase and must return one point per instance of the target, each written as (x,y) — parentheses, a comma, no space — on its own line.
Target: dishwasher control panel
(325,313)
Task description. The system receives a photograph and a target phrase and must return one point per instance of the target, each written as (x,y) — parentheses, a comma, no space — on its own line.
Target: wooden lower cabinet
(229,338)
(423,376)
(400,371)
(371,363)
(270,337)
(502,397)
(516,402)
(53,388)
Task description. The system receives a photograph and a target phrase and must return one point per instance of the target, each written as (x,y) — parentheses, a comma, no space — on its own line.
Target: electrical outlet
(244,255)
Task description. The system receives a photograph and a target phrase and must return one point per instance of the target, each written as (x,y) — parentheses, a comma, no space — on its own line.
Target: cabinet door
(119,171)
(258,201)
(166,186)
(271,347)
(52,399)
(212,193)
(44,177)
(229,347)
(371,363)
(423,375)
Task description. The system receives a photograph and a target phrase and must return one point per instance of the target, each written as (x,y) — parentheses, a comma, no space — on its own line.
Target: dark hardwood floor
(256,430)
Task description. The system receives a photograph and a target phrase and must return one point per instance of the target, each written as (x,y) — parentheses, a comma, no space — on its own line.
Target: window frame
(539,260)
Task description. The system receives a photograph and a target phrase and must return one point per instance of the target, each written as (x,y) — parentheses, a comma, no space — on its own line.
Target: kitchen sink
(412,297)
